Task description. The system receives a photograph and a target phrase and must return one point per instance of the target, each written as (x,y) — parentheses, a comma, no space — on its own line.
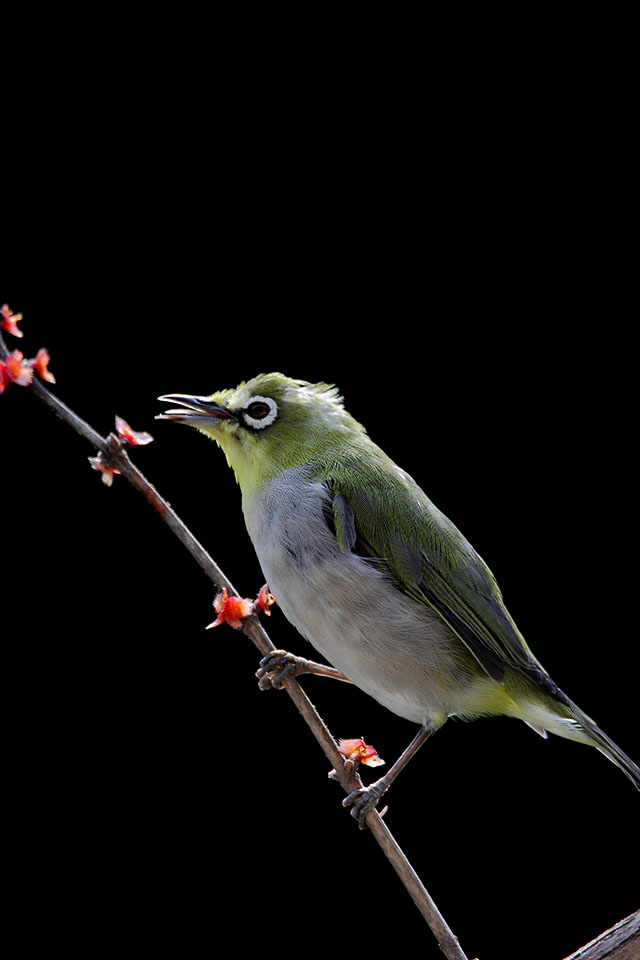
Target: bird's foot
(365,799)
(276,666)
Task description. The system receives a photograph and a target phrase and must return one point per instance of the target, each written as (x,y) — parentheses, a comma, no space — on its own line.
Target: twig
(115,456)
(621,942)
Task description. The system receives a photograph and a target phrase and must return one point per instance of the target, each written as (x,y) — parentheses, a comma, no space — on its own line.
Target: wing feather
(393,520)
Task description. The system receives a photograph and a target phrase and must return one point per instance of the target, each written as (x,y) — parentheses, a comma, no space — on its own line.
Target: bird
(372,573)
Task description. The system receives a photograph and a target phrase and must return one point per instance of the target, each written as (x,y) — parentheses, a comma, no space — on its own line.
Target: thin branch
(115,456)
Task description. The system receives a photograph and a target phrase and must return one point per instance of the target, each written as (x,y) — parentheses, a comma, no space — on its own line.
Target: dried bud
(107,472)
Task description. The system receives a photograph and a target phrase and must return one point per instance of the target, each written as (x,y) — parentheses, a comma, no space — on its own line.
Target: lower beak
(195,411)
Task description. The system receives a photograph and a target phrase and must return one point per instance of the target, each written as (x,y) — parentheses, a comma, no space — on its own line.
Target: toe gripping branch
(273,672)
(364,799)
(280,664)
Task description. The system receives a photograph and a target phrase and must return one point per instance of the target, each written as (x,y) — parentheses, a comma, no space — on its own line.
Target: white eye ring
(259,423)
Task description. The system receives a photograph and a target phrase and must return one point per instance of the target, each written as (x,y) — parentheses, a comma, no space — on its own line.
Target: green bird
(372,574)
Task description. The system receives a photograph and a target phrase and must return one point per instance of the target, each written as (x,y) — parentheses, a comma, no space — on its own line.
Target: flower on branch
(9,320)
(134,438)
(231,610)
(15,370)
(126,437)
(264,600)
(107,472)
(5,379)
(41,365)
(360,752)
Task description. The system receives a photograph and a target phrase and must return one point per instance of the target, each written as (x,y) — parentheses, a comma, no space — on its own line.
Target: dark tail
(606,745)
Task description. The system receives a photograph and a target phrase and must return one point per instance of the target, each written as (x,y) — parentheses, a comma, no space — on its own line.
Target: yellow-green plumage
(370,571)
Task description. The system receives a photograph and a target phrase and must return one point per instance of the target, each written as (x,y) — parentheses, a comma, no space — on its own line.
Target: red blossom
(360,752)
(41,365)
(9,320)
(264,600)
(16,371)
(231,610)
(133,437)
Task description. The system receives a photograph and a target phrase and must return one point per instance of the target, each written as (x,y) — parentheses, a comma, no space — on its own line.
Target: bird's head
(267,424)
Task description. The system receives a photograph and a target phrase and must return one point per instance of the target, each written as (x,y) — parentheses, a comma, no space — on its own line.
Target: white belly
(394,648)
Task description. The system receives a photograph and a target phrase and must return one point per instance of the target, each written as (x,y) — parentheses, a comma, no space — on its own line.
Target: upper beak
(196,411)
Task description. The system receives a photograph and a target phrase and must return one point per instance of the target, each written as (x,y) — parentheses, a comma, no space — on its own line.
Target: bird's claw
(363,800)
(276,666)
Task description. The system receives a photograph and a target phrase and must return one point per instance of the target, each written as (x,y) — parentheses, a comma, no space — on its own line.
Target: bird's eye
(261,412)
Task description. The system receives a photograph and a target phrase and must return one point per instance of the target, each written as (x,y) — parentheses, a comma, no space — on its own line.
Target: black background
(457,264)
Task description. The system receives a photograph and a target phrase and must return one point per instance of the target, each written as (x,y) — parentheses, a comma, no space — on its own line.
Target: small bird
(372,574)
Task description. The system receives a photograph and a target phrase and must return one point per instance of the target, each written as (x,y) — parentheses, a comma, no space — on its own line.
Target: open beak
(195,411)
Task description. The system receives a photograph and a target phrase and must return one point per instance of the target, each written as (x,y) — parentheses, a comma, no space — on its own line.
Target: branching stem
(115,455)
